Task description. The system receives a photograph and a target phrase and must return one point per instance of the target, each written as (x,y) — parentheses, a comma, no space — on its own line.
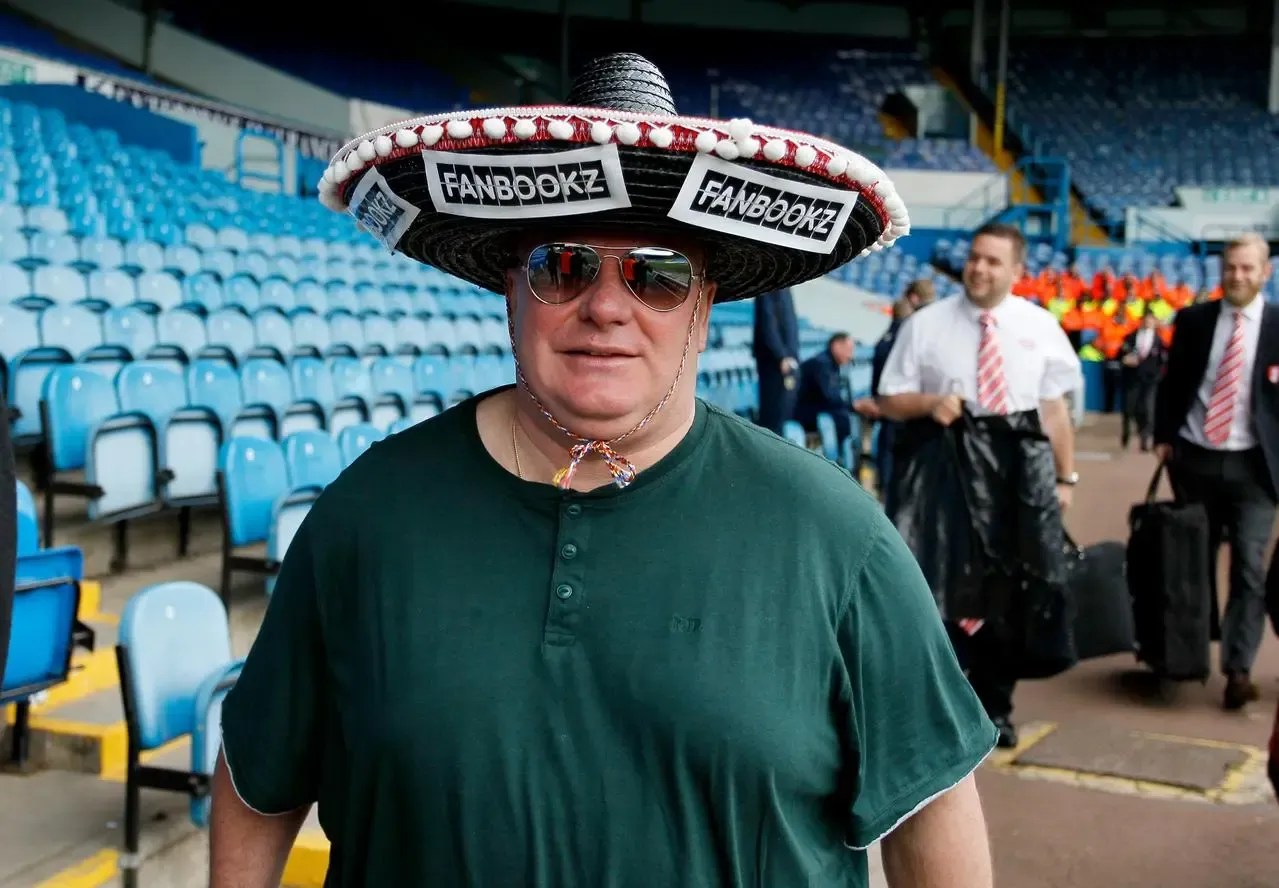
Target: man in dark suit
(776,348)
(821,389)
(868,408)
(1142,357)
(1217,428)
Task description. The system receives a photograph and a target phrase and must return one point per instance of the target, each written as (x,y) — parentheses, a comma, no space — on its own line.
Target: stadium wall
(1209,214)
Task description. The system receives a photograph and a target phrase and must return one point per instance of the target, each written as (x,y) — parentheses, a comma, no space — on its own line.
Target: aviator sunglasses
(659,277)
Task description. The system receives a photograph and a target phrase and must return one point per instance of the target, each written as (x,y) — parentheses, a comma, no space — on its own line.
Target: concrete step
(66,830)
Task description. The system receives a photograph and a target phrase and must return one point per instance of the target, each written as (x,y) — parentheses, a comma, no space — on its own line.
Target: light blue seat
(182,260)
(310,333)
(277,293)
(216,386)
(28,522)
(266,383)
(313,458)
(393,395)
(180,336)
(160,289)
(346,334)
(59,285)
(242,291)
(794,432)
(130,328)
(353,393)
(175,663)
(51,248)
(119,452)
(219,261)
(273,334)
(112,287)
(309,294)
(15,283)
(354,440)
(230,335)
(253,478)
(433,375)
(77,331)
(190,436)
(400,425)
(202,291)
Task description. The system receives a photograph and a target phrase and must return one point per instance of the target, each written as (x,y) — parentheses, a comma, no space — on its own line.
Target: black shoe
(1240,691)
(1007,732)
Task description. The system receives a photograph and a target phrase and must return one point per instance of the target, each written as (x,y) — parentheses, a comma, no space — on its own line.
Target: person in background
(868,408)
(921,293)
(1217,430)
(995,355)
(821,389)
(776,348)
(1143,357)
(8,531)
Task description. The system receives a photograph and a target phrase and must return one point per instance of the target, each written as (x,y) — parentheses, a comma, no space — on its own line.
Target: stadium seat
(252,478)
(45,631)
(354,440)
(28,522)
(118,452)
(175,666)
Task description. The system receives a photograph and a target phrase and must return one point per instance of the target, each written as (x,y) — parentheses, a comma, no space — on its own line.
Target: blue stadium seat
(273,334)
(28,522)
(119,452)
(190,436)
(253,478)
(392,391)
(354,440)
(112,288)
(313,459)
(216,386)
(45,632)
(175,664)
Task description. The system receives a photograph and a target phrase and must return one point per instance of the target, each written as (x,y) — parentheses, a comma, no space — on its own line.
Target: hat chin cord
(621,468)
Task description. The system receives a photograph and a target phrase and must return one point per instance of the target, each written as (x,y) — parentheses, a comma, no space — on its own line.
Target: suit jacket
(776,329)
(1152,367)
(1187,363)
(820,390)
(883,349)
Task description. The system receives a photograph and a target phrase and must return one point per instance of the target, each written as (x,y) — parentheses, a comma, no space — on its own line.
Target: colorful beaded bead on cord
(621,468)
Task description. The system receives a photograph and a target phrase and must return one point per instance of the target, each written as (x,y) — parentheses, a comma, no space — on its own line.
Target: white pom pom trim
(525,129)
(560,129)
(628,133)
(432,134)
(495,128)
(706,141)
(460,129)
(383,146)
(601,133)
(406,138)
(805,155)
(661,137)
(366,151)
(774,150)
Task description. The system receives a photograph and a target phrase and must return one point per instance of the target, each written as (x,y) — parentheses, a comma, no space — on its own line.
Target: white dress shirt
(1242,436)
(1145,342)
(936,354)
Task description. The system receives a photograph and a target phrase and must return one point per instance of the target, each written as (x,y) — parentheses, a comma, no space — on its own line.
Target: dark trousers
(1139,410)
(1111,386)
(981,658)
(884,458)
(1236,491)
(776,399)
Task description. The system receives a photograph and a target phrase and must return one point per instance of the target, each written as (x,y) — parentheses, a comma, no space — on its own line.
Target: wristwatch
(1070,480)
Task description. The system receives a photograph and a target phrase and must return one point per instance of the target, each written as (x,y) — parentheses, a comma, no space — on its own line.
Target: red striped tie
(992,392)
(1225,391)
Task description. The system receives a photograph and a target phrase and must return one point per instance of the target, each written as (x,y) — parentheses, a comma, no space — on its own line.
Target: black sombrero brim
(775,208)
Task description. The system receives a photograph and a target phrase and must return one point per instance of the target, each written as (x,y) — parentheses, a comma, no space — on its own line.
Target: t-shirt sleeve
(917,729)
(1063,372)
(273,719)
(900,375)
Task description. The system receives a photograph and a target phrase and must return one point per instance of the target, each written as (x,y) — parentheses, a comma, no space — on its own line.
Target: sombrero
(774,207)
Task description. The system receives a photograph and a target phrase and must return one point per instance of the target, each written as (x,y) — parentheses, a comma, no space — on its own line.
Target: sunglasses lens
(558,273)
(660,278)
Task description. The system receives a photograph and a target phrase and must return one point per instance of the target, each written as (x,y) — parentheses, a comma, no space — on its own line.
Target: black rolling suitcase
(1169,568)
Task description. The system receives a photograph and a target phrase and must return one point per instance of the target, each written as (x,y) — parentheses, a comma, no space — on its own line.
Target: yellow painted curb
(309,857)
(308,863)
(92,872)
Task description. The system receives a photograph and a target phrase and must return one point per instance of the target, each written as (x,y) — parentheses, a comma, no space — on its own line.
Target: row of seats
(1135,131)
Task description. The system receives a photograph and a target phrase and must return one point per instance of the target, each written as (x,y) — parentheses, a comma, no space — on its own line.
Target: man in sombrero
(588,630)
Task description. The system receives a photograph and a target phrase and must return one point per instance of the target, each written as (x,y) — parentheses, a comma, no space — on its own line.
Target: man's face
(1244,271)
(602,360)
(991,268)
(842,351)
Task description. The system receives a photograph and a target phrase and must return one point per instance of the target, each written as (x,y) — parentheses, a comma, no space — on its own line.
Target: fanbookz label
(526,186)
(380,211)
(737,200)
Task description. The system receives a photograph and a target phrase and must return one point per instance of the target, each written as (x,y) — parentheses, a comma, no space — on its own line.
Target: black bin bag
(976,503)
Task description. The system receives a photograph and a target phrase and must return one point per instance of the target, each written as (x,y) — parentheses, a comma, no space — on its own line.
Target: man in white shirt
(995,354)
(1217,428)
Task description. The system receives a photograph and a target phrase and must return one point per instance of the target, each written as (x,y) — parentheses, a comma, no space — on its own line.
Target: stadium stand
(1134,132)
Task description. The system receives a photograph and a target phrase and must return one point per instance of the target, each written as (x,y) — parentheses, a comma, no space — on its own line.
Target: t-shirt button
(564,591)
(568,551)
(574,510)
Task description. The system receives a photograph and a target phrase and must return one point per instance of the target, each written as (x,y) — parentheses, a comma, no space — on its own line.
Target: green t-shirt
(729,673)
